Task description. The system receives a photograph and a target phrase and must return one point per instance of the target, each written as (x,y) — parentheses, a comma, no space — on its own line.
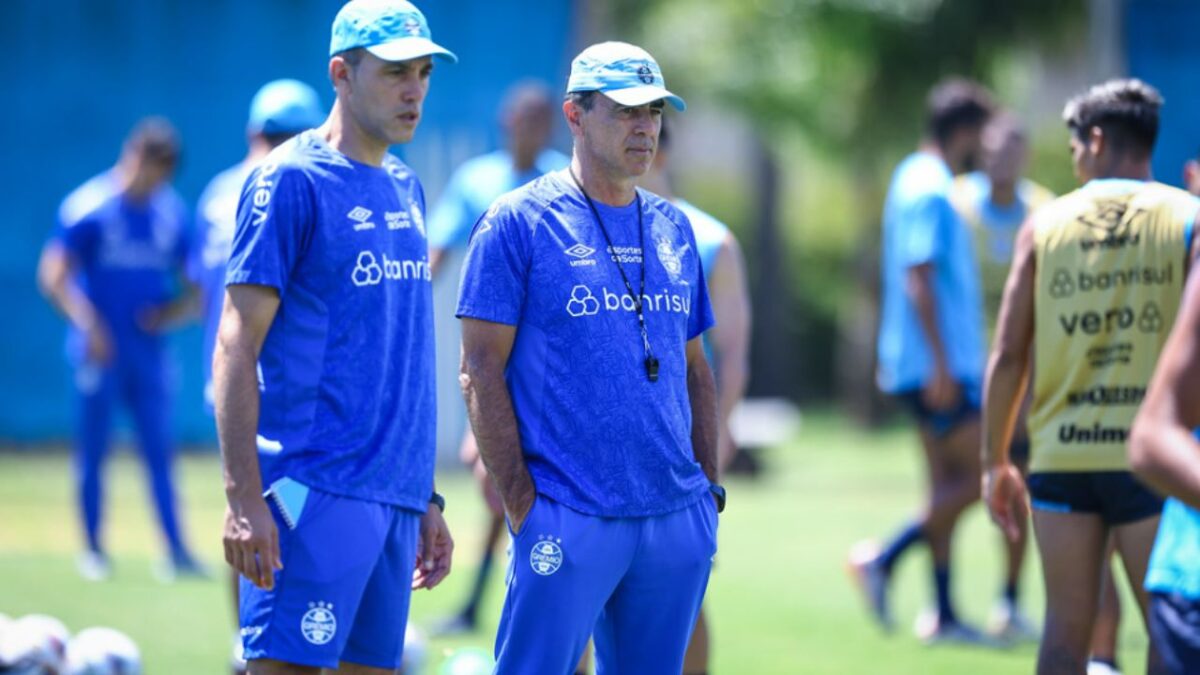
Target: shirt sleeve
(450,221)
(79,236)
(496,267)
(922,239)
(274,221)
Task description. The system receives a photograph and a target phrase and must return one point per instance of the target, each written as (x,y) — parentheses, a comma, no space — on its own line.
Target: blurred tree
(850,76)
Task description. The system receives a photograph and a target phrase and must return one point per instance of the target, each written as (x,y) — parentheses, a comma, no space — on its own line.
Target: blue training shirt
(346,371)
(473,188)
(920,226)
(1173,568)
(597,435)
(216,221)
(127,256)
(710,236)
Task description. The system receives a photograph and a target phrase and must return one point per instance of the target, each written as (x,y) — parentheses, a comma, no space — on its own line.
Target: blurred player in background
(1191,175)
(727,344)
(931,342)
(527,118)
(1096,280)
(592,402)
(994,201)
(1165,454)
(323,369)
(115,269)
(279,110)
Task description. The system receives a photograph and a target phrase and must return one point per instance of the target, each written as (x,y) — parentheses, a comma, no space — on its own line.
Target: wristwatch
(718,492)
(438,501)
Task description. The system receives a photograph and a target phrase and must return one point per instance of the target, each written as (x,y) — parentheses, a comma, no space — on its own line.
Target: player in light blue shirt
(114,268)
(279,110)
(726,344)
(931,343)
(1165,453)
(583,302)
(323,371)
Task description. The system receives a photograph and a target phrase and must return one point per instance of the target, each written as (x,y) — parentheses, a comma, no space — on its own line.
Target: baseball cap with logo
(622,72)
(393,30)
(284,107)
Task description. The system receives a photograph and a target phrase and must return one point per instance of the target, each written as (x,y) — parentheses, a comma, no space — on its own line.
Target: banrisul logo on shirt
(370,270)
(583,301)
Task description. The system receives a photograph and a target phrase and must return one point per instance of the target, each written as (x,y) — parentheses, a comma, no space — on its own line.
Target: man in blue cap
(279,110)
(114,267)
(323,369)
(583,303)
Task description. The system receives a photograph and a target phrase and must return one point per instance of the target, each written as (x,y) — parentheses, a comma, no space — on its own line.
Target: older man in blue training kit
(583,303)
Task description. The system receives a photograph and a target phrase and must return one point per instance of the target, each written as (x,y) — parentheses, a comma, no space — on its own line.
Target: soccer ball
(416,651)
(35,644)
(467,661)
(103,651)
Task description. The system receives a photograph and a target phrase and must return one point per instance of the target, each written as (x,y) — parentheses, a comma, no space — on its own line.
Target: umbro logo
(582,255)
(362,218)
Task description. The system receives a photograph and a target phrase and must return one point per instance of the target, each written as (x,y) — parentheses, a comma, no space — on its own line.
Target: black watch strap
(438,501)
(718,492)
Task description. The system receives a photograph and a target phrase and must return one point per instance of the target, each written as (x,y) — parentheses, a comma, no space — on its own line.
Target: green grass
(779,600)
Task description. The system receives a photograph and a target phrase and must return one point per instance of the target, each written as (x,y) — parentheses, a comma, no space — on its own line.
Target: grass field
(779,599)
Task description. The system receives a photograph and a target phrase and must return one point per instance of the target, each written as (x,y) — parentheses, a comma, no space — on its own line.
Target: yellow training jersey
(994,230)
(1110,270)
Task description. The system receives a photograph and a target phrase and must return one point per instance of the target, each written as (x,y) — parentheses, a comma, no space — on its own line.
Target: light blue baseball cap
(393,30)
(284,107)
(622,72)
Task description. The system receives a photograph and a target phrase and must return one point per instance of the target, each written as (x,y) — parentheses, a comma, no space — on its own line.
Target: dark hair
(664,136)
(155,138)
(1125,110)
(583,99)
(954,104)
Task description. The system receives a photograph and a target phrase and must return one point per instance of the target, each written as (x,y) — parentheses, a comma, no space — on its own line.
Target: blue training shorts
(1116,496)
(635,583)
(344,589)
(1175,632)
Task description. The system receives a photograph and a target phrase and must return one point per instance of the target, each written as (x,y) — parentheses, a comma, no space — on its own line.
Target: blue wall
(1163,50)
(77,75)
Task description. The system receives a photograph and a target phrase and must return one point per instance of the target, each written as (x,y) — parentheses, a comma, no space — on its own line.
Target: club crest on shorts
(319,625)
(546,556)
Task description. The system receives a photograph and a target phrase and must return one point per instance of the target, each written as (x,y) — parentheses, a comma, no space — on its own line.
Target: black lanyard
(651,362)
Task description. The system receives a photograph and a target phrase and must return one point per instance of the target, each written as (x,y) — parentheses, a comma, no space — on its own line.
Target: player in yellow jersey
(994,202)
(1097,275)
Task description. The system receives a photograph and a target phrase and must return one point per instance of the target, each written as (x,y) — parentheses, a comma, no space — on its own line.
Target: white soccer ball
(35,644)
(103,651)
(416,651)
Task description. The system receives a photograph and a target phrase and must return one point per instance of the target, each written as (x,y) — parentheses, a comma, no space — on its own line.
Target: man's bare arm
(941,391)
(485,350)
(251,540)
(1162,450)
(702,396)
(730,297)
(55,280)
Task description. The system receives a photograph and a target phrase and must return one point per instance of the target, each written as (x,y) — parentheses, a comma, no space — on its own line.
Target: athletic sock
(941,580)
(908,536)
(1010,593)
